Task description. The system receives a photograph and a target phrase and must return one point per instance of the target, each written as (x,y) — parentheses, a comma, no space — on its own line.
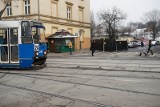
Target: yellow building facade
(71,15)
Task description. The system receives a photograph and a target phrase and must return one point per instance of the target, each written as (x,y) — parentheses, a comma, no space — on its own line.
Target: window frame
(9,9)
(27,7)
(56,5)
(81,10)
(69,12)
(69,6)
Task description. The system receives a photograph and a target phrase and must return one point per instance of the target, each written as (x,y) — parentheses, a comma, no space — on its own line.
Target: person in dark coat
(93,45)
(149,48)
(141,48)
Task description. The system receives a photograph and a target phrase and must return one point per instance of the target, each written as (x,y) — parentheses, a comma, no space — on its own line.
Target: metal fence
(110,45)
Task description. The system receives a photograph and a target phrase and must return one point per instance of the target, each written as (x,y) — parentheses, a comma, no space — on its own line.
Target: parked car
(138,43)
(154,43)
(132,44)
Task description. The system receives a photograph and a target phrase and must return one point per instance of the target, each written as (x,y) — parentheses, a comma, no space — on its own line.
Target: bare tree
(99,30)
(123,30)
(136,25)
(93,25)
(96,29)
(111,18)
(151,18)
(159,25)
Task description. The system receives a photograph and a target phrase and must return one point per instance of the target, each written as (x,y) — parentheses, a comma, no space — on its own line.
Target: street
(108,79)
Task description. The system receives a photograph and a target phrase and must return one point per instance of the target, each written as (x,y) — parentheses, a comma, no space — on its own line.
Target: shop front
(58,42)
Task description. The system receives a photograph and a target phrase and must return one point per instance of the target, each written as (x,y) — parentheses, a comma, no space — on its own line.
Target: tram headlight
(45,52)
(36,53)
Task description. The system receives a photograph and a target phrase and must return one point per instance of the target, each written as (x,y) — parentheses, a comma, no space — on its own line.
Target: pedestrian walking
(149,48)
(93,45)
(142,48)
(70,47)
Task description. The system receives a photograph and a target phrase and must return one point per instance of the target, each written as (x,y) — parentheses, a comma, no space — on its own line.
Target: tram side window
(3,36)
(35,35)
(26,33)
(38,34)
(14,36)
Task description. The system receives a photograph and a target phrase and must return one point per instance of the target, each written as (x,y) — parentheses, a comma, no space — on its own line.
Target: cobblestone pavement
(108,79)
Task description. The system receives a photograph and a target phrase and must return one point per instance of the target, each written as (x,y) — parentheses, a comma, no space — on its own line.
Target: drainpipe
(38,10)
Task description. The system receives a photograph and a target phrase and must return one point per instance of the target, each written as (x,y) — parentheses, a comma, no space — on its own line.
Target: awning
(62,34)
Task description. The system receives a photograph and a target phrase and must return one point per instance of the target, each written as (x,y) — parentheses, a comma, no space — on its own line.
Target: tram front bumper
(39,60)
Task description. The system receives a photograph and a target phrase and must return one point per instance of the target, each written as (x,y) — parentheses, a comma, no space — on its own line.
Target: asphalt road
(108,79)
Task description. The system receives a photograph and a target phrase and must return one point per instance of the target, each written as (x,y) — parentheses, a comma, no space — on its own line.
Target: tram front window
(26,35)
(38,34)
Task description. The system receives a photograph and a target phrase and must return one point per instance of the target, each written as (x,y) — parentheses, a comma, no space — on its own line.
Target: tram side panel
(26,54)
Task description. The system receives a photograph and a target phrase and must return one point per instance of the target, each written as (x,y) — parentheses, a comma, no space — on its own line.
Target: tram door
(9,45)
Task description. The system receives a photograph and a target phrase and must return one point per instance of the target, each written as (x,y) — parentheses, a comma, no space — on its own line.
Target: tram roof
(13,23)
(9,23)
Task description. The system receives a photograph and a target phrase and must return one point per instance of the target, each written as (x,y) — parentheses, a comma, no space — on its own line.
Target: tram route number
(36,47)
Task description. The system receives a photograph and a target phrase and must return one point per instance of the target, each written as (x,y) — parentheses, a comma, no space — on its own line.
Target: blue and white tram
(22,44)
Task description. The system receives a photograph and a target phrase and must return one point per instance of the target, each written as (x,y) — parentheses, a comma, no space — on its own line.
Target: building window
(69,12)
(54,9)
(9,9)
(81,14)
(27,6)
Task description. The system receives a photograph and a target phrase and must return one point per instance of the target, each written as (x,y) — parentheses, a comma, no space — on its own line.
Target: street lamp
(104,42)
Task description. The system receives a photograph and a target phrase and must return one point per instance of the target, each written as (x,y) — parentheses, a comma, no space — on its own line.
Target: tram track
(104,75)
(74,75)
(97,86)
(122,69)
(3,75)
(56,95)
(89,85)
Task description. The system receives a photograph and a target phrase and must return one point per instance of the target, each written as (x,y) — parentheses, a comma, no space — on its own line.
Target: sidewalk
(101,54)
(75,53)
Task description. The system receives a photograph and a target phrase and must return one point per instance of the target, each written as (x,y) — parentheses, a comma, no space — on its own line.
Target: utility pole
(38,10)
(104,42)
(115,16)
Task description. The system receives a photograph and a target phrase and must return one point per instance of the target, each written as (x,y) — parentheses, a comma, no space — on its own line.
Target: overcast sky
(134,8)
